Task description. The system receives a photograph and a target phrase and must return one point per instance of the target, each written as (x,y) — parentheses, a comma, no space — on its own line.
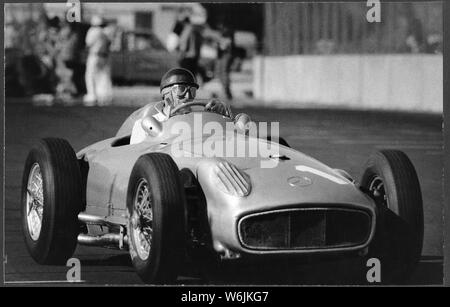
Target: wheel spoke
(40,211)
(35,202)
(148,231)
(142,220)
(145,195)
(32,193)
(30,210)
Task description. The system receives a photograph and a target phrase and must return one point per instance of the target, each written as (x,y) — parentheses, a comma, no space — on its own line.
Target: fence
(372,82)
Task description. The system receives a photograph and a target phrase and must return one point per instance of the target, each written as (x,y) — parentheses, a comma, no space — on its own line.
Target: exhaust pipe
(117,240)
(109,239)
(106,239)
(95,220)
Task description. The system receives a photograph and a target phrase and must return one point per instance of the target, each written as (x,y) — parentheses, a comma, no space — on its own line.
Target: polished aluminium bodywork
(297,181)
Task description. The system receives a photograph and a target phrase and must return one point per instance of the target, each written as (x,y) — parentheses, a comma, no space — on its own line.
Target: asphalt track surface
(341,139)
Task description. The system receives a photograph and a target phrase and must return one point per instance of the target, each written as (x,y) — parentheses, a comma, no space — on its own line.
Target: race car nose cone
(299,181)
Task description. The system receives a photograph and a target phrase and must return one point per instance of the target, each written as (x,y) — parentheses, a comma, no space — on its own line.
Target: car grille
(305,228)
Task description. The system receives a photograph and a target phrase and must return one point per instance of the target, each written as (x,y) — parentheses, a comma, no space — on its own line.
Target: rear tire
(391,180)
(51,201)
(156,226)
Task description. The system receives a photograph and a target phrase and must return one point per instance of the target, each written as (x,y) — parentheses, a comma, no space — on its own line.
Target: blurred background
(283,55)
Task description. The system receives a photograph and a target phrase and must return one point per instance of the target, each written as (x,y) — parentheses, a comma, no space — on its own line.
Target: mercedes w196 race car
(162,207)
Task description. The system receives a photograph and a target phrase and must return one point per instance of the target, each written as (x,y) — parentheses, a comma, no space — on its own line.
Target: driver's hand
(216,106)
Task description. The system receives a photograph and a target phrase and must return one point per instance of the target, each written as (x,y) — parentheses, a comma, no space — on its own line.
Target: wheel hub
(142,220)
(35,202)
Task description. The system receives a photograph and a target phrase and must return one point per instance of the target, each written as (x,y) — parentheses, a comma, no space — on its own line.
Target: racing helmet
(178,76)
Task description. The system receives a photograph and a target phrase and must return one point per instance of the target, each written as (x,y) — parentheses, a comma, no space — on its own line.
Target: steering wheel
(196,103)
(188,104)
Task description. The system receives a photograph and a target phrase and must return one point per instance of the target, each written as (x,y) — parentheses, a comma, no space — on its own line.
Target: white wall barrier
(382,82)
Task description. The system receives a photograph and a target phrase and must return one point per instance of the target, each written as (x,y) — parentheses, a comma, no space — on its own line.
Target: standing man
(71,54)
(189,46)
(98,70)
(225,49)
(173,39)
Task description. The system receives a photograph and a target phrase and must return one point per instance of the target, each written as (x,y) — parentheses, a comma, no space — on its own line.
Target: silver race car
(164,199)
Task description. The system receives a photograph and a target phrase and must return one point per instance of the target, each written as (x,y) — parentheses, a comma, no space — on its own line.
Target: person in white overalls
(98,69)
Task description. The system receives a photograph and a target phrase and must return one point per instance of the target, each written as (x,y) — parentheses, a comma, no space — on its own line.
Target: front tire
(391,180)
(156,207)
(51,201)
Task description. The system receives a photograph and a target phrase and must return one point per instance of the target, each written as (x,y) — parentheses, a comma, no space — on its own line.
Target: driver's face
(181,94)
(183,99)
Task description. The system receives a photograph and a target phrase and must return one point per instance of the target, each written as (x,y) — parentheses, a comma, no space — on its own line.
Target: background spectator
(225,52)
(189,47)
(98,70)
(71,55)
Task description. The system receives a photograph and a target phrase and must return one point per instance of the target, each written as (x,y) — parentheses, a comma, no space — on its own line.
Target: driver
(178,86)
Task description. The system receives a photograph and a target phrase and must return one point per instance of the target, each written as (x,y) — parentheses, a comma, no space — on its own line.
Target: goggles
(180,90)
